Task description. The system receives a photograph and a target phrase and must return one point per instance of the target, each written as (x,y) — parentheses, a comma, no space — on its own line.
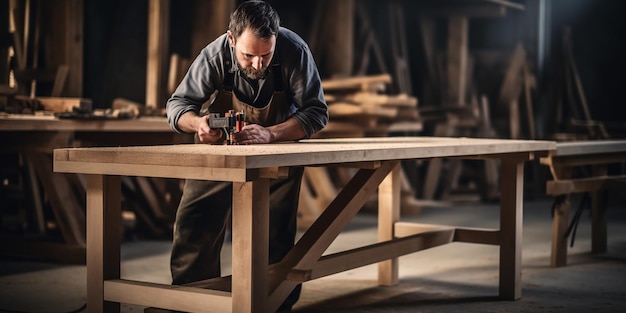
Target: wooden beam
(378,252)
(457,52)
(184,298)
(388,215)
(250,217)
(210,20)
(158,44)
(74,49)
(590,184)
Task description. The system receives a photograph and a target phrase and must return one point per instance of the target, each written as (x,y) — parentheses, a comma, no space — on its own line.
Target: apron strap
(278,77)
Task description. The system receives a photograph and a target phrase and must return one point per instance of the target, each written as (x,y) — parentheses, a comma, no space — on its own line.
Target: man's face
(253,54)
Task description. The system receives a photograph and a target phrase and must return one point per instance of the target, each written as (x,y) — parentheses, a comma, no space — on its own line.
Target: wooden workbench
(33,137)
(592,157)
(255,286)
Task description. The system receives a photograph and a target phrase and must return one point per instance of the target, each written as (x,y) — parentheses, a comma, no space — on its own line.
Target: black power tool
(231,123)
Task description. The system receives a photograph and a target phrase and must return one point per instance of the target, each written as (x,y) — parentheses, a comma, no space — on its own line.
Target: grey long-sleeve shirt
(300,77)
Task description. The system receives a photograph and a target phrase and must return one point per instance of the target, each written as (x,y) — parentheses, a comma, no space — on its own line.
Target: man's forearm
(287,131)
(189,121)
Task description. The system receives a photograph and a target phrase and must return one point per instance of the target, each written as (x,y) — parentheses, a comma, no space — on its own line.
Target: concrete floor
(458,277)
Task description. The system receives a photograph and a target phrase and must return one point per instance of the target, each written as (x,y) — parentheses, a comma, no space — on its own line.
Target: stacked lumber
(358,107)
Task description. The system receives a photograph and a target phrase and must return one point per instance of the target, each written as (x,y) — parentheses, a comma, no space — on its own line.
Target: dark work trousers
(202,220)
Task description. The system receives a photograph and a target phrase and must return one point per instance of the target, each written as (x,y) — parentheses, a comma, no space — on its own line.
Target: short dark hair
(257,15)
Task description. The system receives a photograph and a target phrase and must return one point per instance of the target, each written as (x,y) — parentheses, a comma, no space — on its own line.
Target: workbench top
(25,122)
(590,147)
(202,161)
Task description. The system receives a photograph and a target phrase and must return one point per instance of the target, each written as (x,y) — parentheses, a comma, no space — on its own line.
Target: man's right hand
(190,122)
(205,133)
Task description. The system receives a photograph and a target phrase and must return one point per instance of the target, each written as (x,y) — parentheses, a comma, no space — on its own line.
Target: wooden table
(593,156)
(255,286)
(34,137)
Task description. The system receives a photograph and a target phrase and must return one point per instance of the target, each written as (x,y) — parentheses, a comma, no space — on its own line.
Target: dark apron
(203,214)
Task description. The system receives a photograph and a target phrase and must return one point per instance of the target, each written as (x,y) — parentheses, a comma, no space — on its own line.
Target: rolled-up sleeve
(194,90)
(307,93)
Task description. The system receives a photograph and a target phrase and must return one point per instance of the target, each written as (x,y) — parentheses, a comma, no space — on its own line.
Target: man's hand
(286,131)
(205,133)
(253,134)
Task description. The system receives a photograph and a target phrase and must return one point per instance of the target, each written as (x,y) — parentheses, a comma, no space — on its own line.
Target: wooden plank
(173,297)
(349,110)
(306,152)
(360,83)
(65,104)
(39,123)
(590,147)
(400,100)
(164,171)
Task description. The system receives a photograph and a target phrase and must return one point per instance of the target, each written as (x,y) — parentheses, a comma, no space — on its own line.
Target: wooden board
(19,122)
(306,152)
(590,147)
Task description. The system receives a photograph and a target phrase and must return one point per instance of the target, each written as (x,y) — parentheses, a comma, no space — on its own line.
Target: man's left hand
(253,134)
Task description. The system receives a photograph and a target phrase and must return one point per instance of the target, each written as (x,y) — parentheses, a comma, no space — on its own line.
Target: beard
(254,74)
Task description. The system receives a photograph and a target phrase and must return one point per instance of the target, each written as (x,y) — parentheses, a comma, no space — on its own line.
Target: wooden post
(598,213)
(511,200)
(158,44)
(457,60)
(250,260)
(104,219)
(210,20)
(336,23)
(388,215)
(74,48)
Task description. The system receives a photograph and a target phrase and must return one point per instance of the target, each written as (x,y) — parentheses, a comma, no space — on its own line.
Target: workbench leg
(598,214)
(511,203)
(250,243)
(560,220)
(388,215)
(104,220)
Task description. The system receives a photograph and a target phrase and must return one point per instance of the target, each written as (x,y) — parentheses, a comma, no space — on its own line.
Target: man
(268,72)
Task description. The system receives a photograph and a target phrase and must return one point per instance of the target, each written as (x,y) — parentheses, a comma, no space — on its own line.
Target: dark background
(115,46)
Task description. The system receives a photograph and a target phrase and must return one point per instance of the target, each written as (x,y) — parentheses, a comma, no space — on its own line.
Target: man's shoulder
(216,48)
(290,39)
